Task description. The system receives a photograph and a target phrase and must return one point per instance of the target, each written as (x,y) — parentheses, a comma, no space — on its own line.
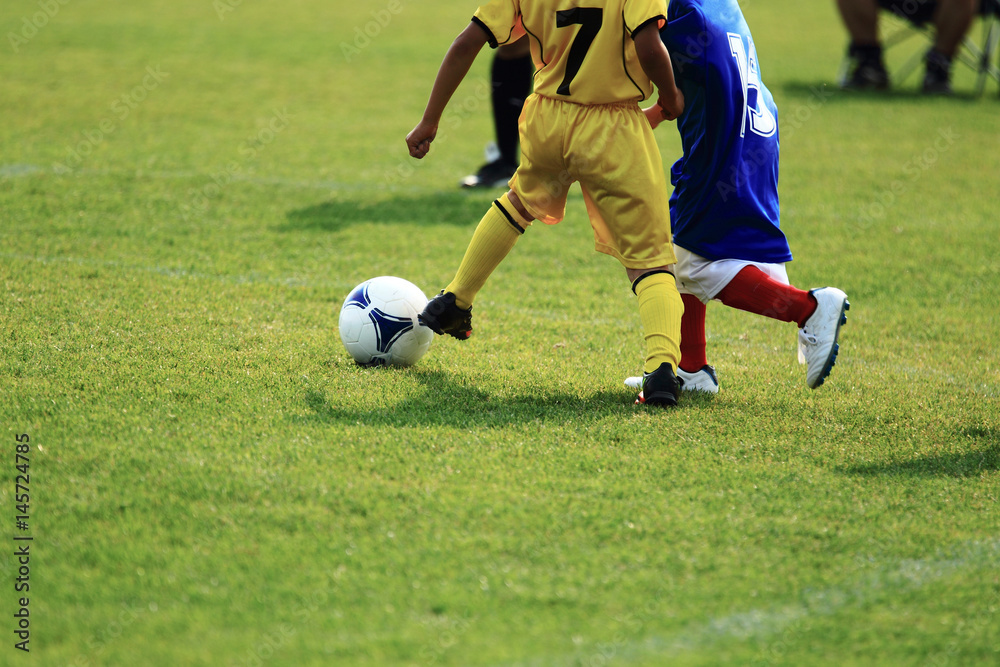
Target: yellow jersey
(582,49)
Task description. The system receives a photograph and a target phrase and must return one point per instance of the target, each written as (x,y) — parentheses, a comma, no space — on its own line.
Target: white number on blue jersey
(762,121)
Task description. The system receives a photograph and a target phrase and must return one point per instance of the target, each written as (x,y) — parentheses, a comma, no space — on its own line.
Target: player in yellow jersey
(595,61)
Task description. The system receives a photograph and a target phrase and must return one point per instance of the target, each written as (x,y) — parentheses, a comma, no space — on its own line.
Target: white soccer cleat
(818,345)
(703,380)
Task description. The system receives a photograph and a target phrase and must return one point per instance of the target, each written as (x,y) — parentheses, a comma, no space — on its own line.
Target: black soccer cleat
(660,387)
(491,175)
(866,69)
(937,79)
(442,316)
(867,76)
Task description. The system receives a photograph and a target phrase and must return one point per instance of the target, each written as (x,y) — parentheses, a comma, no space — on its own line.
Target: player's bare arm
(656,64)
(453,69)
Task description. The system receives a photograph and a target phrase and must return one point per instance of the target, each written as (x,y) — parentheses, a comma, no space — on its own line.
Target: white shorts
(705,278)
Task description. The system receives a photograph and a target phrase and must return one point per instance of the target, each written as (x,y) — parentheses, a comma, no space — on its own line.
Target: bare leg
(516,202)
(951,22)
(861,20)
(867,69)
(635,273)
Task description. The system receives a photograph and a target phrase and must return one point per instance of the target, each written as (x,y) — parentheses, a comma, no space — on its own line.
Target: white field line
(761,623)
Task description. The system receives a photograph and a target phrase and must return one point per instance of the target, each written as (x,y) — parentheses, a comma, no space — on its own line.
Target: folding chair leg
(984,66)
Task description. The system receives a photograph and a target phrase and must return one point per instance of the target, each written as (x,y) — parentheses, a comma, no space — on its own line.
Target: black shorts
(917,12)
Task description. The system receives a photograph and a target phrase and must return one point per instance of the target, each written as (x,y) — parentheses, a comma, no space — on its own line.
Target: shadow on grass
(982,456)
(461,207)
(446,402)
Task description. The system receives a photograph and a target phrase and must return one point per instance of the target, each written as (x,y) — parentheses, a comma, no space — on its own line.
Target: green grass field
(188,191)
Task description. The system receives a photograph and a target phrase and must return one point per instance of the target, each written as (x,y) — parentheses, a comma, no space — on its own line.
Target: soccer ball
(379,325)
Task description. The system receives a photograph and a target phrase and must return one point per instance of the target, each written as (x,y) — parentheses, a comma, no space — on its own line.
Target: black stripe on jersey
(642,93)
(541,48)
(648,274)
(644,24)
(490,37)
(510,219)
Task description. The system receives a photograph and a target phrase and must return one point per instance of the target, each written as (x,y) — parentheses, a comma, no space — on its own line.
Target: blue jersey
(725,199)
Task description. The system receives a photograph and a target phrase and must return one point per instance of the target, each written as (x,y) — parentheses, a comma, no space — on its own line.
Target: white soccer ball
(379,325)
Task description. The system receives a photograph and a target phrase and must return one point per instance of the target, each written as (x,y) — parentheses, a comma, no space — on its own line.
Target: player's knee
(636,276)
(516,209)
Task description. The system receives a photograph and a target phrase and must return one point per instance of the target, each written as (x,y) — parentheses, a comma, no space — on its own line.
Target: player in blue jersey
(724,208)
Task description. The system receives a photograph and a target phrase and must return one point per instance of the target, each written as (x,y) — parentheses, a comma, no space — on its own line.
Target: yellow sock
(496,234)
(660,310)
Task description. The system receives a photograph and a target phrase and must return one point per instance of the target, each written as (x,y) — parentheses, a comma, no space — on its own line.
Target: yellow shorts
(611,151)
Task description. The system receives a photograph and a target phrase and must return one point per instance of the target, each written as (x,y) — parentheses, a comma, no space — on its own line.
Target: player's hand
(654,115)
(418,141)
(672,103)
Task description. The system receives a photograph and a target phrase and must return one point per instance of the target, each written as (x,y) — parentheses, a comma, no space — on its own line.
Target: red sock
(693,334)
(754,291)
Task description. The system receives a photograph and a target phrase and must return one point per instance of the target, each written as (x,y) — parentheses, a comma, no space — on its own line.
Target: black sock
(866,53)
(511,80)
(938,64)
